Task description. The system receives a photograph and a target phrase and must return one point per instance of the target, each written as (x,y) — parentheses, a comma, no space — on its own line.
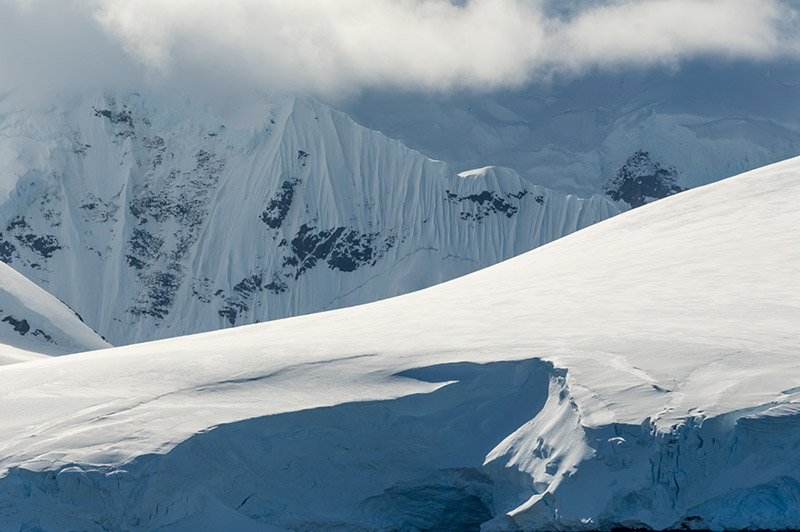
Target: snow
(640,372)
(34,324)
(195,218)
(709,119)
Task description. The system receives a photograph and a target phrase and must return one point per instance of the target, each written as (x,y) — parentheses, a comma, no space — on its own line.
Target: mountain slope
(641,372)
(193,218)
(33,323)
(701,122)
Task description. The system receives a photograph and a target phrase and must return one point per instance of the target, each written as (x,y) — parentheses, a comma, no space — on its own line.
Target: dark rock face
(257,283)
(230,312)
(159,292)
(476,207)
(353,250)
(120,117)
(143,244)
(245,289)
(21,326)
(121,121)
(342,248)
(310,245)
(642,179)
(181,202)
(7,250)
(169,206)
(43,246)
(42,334)
(278,207)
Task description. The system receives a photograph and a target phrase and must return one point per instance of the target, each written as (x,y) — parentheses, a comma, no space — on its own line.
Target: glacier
(153,215)
(641,372)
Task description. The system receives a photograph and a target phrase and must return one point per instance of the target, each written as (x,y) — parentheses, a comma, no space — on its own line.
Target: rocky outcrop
(643,179)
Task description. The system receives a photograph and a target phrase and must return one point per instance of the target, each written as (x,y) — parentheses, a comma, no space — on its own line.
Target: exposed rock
(642,180)
(343,249)
(476,207)
(20,325)
(278,207)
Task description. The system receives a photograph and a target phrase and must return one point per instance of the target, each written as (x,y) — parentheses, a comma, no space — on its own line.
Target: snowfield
(641,372)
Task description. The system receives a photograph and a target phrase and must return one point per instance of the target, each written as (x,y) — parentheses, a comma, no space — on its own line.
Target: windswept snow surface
(34,324)
(643,371)
(193,218)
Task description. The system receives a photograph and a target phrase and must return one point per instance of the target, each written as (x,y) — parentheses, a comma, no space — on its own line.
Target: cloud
(338,46)
(46,45)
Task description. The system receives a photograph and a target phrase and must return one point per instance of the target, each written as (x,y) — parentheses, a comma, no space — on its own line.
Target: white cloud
(336,46)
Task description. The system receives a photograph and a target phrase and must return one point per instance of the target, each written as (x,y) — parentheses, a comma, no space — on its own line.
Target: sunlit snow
(643,371)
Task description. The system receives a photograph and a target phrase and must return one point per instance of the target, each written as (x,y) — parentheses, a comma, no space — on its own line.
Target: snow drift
(641,372)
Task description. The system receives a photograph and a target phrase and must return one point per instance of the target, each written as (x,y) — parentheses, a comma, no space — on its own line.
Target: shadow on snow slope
(412,463)
(437,461)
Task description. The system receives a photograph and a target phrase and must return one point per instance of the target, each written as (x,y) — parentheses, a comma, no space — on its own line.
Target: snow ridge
(34,323)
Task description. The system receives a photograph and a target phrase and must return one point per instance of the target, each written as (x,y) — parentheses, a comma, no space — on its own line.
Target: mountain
(642,372)
(34,324)
(632,134)
(154,216)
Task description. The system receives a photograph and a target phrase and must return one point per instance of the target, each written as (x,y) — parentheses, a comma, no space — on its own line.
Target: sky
(338,47)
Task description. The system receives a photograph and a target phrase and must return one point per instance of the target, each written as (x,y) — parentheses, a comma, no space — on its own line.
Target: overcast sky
(329,47)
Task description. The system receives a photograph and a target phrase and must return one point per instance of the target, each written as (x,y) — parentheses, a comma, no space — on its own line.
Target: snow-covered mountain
(153,216)
(641,372)
(34,324)
(632,133)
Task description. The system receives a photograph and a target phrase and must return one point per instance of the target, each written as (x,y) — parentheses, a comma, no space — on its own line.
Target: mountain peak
(195,217)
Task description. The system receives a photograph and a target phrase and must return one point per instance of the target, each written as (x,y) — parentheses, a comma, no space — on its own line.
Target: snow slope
(194,217)
(34,324)
(703,121)
(642,371)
